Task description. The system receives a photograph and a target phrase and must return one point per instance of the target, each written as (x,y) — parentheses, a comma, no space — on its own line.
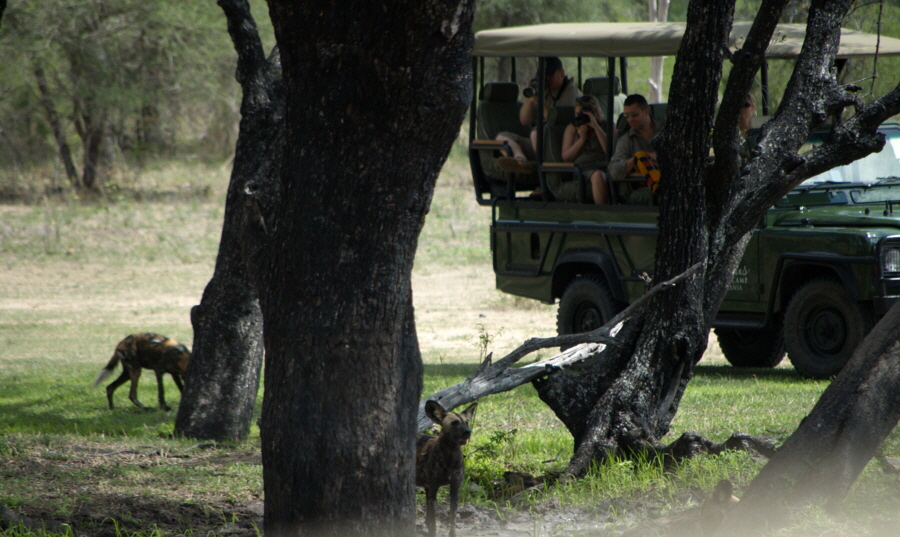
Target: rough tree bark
(630,404)
(222,379)
(375,96)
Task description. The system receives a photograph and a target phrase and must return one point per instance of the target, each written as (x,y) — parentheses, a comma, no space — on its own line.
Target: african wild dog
(440,461)
(147,351)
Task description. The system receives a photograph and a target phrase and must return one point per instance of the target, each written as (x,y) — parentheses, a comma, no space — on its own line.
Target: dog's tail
(107,371)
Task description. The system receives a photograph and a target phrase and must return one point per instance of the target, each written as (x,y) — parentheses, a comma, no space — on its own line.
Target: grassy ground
(75,278)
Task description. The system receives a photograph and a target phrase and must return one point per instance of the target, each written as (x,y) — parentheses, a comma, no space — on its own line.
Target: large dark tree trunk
(630,402)
(223,376)
(375,96)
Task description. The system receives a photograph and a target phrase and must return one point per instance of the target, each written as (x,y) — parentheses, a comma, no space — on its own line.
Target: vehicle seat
(599,88)
(498,111)
(658,111)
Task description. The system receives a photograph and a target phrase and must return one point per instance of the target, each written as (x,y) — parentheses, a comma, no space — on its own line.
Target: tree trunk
(93,144)
(65,154)
(822,459)
(222,379)
(375,96)
(629,404)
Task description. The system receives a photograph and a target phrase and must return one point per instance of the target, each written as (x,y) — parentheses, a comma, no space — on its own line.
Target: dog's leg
(430,501)
(159,388)
(115,384)
(178,382)
(455,482)
(135,375)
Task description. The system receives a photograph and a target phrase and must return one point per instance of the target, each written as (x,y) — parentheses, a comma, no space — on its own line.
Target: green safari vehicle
(820,269)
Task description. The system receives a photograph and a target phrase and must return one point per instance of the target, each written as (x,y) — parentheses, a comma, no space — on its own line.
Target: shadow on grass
(450,370)
(749,373)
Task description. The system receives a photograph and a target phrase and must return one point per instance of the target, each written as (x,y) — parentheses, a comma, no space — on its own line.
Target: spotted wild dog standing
(147,351)
(440,460)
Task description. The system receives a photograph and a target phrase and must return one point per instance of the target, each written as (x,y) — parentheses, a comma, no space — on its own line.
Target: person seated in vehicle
(584,143)
(559,90)
(635,155)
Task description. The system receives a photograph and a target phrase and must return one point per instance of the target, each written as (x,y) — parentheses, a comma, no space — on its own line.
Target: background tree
(659,12)
(109,76)
(375,95)
(223,377)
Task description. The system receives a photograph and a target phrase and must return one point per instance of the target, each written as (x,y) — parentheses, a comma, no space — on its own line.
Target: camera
(531,89)
(582,118)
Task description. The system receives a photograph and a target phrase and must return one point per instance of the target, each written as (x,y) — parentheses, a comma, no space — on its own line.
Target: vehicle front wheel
(752,348)
(823,325)
(586,305)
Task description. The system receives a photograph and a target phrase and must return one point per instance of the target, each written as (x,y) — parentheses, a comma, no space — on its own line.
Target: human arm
(571,144)
(528,111)
(598,130)
(618,164)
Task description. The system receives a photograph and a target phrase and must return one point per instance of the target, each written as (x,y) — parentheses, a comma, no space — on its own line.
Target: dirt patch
(82,477)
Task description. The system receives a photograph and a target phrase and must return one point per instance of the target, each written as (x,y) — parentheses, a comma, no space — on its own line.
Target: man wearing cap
(559,90)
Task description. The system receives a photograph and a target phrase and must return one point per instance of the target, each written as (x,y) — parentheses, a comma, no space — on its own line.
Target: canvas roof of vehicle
(635,39)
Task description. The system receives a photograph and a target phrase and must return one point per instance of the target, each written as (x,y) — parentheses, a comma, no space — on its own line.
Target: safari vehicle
(820,269)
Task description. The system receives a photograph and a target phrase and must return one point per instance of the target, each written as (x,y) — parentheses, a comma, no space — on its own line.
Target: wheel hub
(827,331)
(587,317)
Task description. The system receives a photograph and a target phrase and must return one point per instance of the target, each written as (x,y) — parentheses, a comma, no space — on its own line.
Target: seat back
(599,88)
(498,110)
(658,111)
(554,128)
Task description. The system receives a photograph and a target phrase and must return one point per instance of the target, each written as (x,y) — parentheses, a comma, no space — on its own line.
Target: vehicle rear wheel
(586,304)
(752,348)
(823,325)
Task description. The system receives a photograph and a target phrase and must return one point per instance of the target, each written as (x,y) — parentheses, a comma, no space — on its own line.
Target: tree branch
(253,73)
(491,378)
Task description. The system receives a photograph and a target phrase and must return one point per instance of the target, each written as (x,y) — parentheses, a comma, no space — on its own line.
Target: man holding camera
(559,90)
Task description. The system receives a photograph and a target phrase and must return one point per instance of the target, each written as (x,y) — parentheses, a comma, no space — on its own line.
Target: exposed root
(691,444)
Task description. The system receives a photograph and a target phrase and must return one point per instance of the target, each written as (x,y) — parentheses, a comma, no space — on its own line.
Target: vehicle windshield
(881,167)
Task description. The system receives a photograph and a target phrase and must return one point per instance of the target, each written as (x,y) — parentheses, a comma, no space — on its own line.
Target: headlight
(890,259)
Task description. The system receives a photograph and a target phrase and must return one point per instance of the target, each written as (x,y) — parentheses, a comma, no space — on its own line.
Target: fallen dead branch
(500,376)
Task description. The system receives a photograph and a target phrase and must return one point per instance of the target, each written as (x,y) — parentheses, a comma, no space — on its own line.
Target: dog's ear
(435,411)
(723,491)
(469,413)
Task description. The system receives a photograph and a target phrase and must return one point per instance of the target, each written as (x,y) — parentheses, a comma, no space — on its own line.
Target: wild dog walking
(440,461)
(147,351)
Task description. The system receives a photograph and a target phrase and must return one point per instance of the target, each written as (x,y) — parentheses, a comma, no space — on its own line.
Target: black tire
(752,348)
(823,325)
(586,304)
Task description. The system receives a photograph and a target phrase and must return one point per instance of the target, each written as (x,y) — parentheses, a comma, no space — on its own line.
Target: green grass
(75,278)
